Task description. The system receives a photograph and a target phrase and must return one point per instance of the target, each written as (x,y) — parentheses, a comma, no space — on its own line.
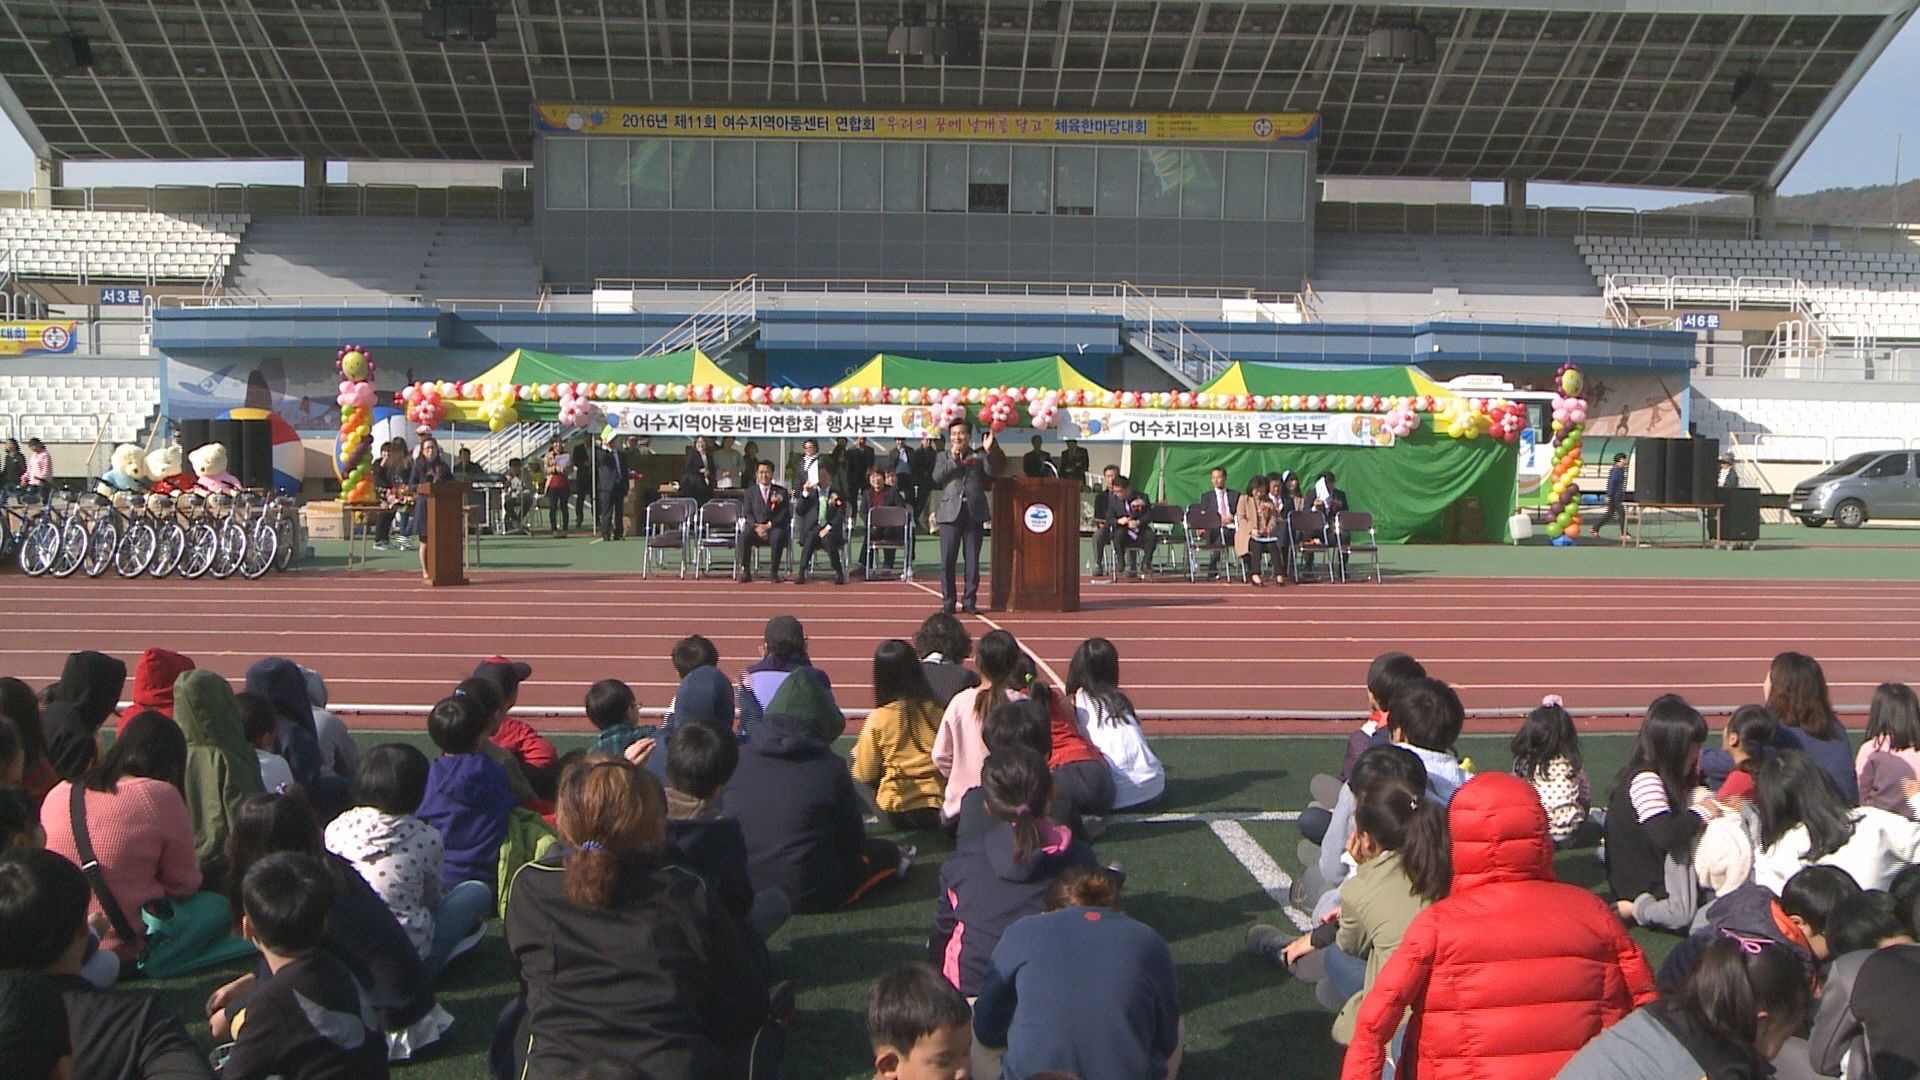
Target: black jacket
(859,460)
(796,802)
(948,679)
(127,1035)
(13,469)
(610,470)
(758,510)
(718,850)
(821,509)
(661,981)
(697,475)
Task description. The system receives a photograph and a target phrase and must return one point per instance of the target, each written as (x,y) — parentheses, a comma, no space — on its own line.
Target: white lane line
(1205,817)
(1266,873)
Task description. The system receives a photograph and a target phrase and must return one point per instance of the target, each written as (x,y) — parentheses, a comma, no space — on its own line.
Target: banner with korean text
(665,121)
(20,338)
(1083,423)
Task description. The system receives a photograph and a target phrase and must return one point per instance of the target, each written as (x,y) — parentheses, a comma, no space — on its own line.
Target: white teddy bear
(129,472)
(210,465)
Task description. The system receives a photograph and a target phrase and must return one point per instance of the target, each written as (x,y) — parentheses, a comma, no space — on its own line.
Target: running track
(1198,657)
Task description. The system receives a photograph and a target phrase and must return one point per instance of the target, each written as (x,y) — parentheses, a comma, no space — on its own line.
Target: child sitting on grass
(468,798)
(1655,814)
(308,1019)
(1747,740)
(1546,754)
(1890,756)
(893,757)
(919,1025)
(258,721)
(1386,674)
(536,756)
(485,696)
(1002,875)
(1022,724)
(700,761)
(612,710)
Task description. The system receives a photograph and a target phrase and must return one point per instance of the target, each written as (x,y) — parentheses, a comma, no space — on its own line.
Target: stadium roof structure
(1690,94)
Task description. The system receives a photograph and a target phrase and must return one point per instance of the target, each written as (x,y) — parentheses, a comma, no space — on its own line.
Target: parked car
(1878,484)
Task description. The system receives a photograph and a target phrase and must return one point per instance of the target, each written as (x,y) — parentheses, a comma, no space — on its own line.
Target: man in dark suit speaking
(769,513)
(962,475)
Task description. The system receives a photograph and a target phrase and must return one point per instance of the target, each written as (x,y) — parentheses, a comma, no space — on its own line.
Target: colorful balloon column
(353,461)
(1569,422)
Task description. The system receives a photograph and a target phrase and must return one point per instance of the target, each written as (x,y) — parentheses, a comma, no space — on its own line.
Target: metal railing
(149,268)
(1733,293)
(300,300)
(717,324)
(329,200)
(1568,222)
(523,440)
(1831,363)
(1037,290)
(1162,336)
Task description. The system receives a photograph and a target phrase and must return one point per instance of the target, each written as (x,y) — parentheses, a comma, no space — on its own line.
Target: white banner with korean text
(1086,423)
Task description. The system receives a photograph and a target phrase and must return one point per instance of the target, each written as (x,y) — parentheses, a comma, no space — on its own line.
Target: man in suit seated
(1102,533)
(1222,500)
(820,517)
(769,512)
(1129,528)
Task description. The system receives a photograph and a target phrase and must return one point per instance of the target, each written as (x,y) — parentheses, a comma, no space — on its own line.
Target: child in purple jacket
(468,797)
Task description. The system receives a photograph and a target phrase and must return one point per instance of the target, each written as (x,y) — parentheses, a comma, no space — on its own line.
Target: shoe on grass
(907,854)
(1267,942)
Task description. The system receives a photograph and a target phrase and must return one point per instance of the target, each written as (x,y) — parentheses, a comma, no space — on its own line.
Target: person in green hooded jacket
(221,766)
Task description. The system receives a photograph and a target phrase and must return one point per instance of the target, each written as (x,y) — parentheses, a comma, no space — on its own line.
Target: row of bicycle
(158,535)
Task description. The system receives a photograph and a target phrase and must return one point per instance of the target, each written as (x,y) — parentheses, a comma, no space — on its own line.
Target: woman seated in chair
(881,494)
(1258,531)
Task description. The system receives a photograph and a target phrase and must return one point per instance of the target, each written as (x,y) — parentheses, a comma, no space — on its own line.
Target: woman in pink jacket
(959,748)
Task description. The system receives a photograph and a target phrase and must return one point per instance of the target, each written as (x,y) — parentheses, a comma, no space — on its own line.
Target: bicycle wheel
(232,548)
(72,550)
(202,546)
(283,537)
(102,541)
(136,549)
(9,538)
(262,545)
(170,544)
(39,547)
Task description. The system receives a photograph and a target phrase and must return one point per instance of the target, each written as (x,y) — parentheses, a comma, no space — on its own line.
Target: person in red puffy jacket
(1513,972)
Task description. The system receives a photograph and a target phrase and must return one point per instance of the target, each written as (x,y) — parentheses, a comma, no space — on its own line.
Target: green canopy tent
(908,373)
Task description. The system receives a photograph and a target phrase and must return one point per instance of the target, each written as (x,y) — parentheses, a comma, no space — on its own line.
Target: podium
(1036,545)
(444,553)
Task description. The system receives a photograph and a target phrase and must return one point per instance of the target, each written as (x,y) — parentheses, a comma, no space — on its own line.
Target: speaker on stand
(1650,470)
(256,457)
(1680,471)
(1706,469)
(227,434)
(194,434)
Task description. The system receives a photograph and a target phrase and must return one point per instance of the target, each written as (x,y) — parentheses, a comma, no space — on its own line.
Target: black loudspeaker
(256,455)
(1680,471)
(227,434)
(69,52)
(193,435)
(1706,469)
(1740,518)
(1650,470)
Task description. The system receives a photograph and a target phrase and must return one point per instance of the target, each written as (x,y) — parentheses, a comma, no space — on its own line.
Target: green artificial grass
(1245,1019)
(1784,552)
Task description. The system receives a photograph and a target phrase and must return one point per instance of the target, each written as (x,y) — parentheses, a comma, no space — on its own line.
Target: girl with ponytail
(1399,842)
(958,747)
(1748,995)
(623,955)
(1002,874)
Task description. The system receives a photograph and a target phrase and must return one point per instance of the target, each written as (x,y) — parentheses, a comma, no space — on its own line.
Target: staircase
(513,441)
(1176,348)
(385,258)
(720,326)
(15,302)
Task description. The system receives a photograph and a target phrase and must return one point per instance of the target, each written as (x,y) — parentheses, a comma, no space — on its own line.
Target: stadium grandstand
(1154,191)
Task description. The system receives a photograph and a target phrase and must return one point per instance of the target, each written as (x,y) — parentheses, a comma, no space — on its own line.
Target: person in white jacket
(1805,822)
(1107,718)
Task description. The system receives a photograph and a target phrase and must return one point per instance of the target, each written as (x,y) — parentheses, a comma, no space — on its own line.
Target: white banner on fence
(1086,423)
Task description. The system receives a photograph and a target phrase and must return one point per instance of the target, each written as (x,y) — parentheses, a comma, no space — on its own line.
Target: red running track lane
(383,639)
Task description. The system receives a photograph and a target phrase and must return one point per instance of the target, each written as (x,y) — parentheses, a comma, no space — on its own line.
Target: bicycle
(30,536)
(260,520)
(232,548)
(170,536)
(201,545)
(104,518)
(139,540)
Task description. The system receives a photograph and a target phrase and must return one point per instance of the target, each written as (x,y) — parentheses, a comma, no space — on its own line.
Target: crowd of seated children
(1386,673)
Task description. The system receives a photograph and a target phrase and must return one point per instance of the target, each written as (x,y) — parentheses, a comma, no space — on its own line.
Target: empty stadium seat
(72,408)
(120,244)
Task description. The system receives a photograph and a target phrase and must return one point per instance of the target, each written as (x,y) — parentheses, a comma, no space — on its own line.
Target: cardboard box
(324,521)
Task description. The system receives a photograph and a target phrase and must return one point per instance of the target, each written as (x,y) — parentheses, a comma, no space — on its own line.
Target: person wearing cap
(785,644)
(802,817)
(1616,499)
(538,760)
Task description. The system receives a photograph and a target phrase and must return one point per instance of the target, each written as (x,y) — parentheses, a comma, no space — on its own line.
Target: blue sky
(1855,149)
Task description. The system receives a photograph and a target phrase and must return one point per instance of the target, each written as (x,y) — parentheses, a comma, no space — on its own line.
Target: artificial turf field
(1244,1018)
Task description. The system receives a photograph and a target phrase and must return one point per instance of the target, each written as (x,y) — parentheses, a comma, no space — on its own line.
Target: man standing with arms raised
(962,474)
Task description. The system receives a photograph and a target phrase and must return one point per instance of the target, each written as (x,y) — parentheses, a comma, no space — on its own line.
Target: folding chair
(1170,523)
(718,530)
(666,529)
(1204,522)
(1309,535)
(1348,523)
(890,518)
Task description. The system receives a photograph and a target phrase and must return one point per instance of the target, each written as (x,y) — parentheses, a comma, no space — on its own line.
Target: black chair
(1206,535)
(1170,523)
(718,531)
(667,528)
(1348,525)
(895,522)
(1309,535)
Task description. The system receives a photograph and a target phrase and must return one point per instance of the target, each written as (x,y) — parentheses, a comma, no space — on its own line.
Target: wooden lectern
(1036,544)
(444,554)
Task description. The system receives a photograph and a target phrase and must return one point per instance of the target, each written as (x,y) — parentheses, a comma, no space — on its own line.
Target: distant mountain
(1834,206)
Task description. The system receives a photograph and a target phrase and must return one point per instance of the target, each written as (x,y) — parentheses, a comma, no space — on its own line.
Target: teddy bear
(168,469)
(129,472)
(210,465)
